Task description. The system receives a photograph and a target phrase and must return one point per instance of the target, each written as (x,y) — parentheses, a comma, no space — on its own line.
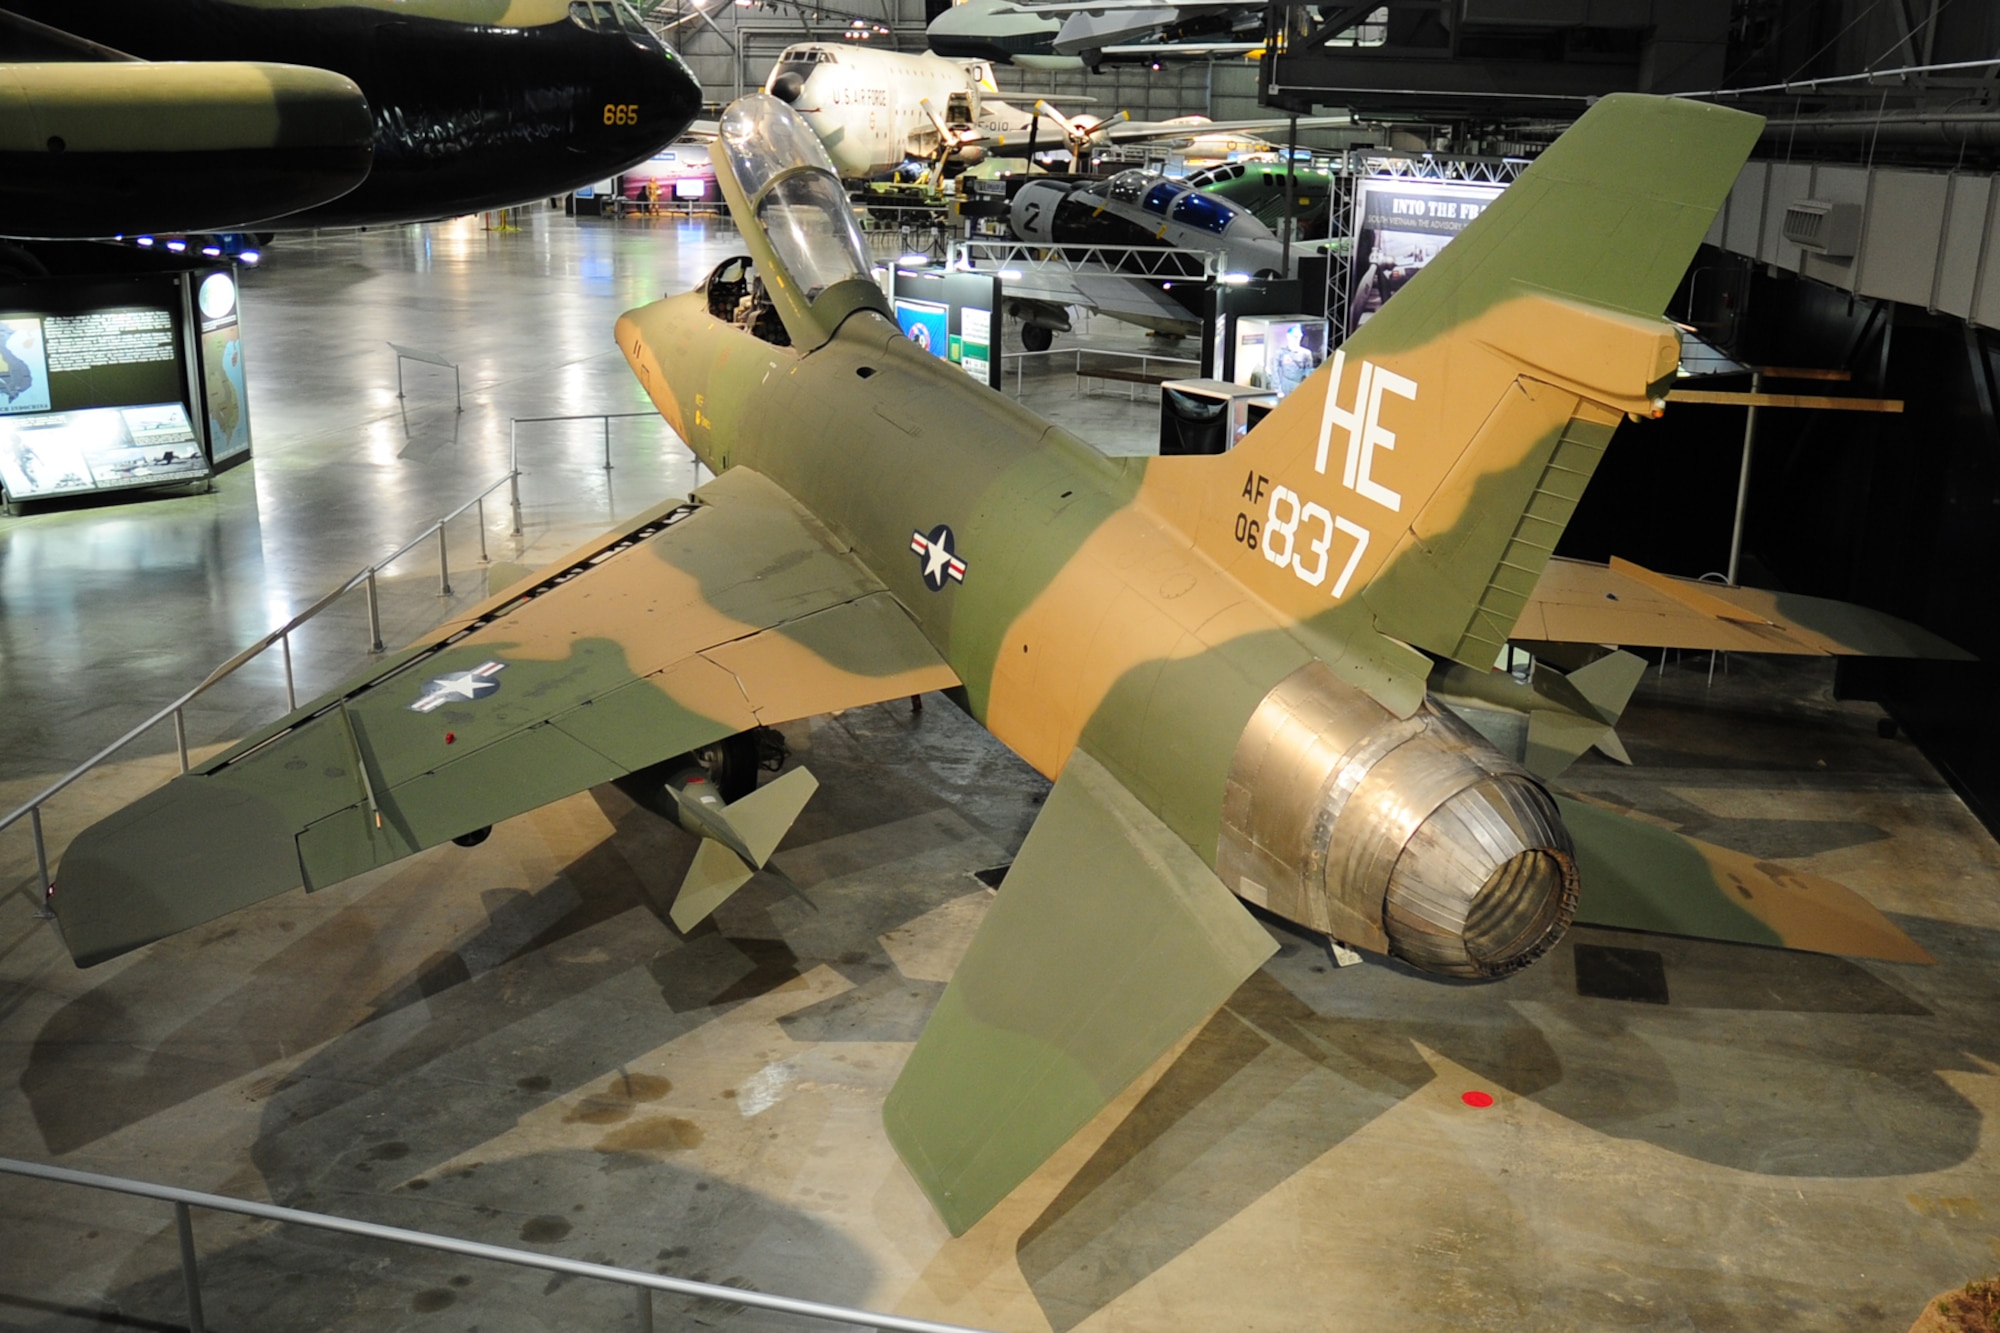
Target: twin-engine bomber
(1225,663)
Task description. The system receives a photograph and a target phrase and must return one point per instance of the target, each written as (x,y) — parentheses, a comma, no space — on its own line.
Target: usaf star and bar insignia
(459,687)
(938,560)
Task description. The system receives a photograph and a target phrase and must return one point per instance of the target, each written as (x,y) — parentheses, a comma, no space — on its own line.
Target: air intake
(1823,228)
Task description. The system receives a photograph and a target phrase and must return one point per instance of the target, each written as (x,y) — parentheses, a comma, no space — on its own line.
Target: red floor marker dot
(1482,1100)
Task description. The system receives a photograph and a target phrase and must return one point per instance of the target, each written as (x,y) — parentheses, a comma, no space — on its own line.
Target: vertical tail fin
(1424,474)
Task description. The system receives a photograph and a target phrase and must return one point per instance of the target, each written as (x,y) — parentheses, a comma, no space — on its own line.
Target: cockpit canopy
(799,61)
(604,16)
(1172,199)
(792,188)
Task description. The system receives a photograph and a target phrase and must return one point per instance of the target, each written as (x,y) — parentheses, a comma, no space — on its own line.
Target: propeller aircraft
(877,111)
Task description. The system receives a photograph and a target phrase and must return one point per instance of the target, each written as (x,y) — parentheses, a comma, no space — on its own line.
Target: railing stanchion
(645,1309)
(41,863)
(190,1278)
(514,487)
(291,687)
(607,442)
(374,616)
(444,565)
(483,557)
(181,738)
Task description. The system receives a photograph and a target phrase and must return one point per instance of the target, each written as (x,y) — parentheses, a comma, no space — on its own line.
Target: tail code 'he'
(1429,467)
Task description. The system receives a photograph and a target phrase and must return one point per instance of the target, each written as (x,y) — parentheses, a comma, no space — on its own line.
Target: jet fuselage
(476,103)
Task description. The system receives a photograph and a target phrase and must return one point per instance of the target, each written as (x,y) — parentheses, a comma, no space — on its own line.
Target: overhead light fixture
(145,240)
(1235,279)
(914,261)
(212,251)
(177,246)
(1010,274)
(251,257)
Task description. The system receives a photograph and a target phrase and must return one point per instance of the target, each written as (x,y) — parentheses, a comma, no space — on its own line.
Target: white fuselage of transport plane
(873,108)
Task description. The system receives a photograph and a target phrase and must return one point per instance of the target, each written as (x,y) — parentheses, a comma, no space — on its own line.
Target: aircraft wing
(1134,300)
(1112,6)
(1140,131)
(1109,942)
(692,623)
(1184,51)
(1634,607)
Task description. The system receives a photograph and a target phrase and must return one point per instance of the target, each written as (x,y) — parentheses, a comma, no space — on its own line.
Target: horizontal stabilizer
(1639,877)
(1623,603)
(1108,943)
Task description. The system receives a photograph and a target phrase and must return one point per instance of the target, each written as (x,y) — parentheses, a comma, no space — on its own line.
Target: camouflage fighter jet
(1222,661)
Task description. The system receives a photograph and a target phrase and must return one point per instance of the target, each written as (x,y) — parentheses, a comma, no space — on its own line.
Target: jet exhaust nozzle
(1412,836)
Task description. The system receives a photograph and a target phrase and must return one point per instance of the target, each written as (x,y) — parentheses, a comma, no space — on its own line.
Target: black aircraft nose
(787,87)
(669,96)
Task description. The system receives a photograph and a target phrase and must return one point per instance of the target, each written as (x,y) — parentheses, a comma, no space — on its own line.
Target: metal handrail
(985,255)
(514,425)
(1020,360)
(643,1284)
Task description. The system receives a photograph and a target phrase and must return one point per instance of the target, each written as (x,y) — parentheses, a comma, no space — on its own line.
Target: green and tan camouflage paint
(498,13)
(1120,605)
(213,106)
(691,626)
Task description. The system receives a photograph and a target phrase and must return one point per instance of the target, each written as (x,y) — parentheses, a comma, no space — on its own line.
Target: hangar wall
(1896,512)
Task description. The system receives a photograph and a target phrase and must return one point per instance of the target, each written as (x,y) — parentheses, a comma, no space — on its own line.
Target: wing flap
(1109,941)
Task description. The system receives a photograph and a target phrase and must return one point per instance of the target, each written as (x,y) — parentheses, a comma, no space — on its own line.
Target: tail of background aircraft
(1428,469)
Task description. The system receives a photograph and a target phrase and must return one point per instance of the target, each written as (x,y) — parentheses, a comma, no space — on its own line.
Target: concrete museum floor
(509,1044)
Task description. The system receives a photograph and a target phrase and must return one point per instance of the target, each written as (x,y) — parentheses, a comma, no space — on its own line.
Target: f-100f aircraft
(121,116)
(1225,663)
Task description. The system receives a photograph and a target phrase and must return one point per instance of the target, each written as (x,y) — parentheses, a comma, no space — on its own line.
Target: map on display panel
(24,365)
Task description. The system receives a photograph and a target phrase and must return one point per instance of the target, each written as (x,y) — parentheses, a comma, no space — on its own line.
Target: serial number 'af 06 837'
(1299,534)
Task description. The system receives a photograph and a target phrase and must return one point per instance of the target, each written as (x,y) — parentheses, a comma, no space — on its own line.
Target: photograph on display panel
(1399,226)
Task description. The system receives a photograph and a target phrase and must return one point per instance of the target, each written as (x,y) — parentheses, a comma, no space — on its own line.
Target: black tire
(1037,337)
(474,838)
(732,765)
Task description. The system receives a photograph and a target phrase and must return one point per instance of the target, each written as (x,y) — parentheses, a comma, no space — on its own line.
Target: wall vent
(1833,230)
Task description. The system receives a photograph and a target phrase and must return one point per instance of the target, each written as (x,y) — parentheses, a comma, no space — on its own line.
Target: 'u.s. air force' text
(1299,534)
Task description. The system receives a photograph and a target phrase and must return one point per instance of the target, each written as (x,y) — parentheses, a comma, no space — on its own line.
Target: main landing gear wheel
(1037,337)
(732,764)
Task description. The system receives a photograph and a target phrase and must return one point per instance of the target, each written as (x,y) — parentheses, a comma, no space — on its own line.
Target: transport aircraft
(877,111)
(128,116)
(1229,665)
